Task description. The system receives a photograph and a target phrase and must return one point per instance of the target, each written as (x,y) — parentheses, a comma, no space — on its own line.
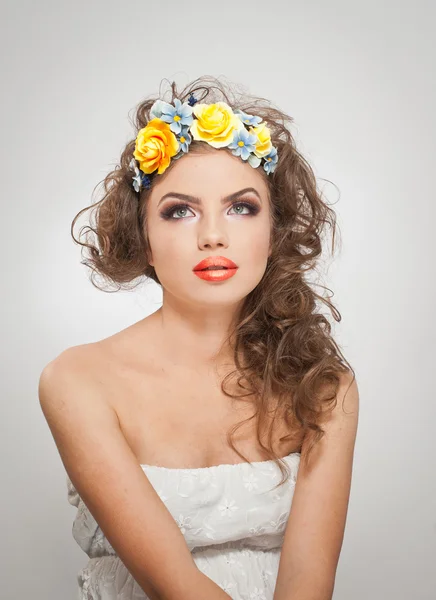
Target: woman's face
(209,225)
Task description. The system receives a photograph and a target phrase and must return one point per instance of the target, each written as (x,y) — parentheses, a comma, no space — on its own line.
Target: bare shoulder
(339,422)
(83,381)
(95,365)
(78,385)
(74,357)
(108,478)
(70,393)
(346,400)
(347,407)
(72,375)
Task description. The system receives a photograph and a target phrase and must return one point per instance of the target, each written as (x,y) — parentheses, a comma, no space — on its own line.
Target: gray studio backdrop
(358,79)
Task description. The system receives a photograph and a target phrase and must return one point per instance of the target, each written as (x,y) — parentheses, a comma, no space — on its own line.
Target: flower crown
(172,127)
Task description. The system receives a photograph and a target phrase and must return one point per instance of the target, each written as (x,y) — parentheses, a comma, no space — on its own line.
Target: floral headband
(172,127)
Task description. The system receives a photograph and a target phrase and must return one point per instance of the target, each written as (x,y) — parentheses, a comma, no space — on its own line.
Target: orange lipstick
(215,268)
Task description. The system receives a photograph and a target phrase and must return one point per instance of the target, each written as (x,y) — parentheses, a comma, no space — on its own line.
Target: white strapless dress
(232,521)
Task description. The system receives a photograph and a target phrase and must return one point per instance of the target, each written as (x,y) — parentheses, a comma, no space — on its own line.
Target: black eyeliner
(168,211)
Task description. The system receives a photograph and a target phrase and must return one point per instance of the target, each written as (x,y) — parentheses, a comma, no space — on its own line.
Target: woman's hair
(283,347)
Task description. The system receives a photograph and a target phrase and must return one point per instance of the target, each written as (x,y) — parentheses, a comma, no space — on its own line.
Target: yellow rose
(265,145)
(215,124)
(155,145)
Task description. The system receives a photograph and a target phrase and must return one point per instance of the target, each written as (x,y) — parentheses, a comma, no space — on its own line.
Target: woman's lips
(215,261)
(215,274)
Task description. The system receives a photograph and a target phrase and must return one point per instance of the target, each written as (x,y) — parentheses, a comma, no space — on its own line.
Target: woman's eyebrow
(196,200)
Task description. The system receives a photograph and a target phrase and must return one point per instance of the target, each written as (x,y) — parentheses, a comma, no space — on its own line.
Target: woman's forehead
(211,174)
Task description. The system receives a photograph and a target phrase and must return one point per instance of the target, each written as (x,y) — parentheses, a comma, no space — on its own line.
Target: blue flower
(184,139)
(243,143)
(140,179)
(137,182)
(254,160)
(157,109)
(270,161)
(137,178)
(178,115)
(247,119)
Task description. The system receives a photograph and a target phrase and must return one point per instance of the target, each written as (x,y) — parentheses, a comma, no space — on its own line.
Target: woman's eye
(239,208)
(175,210)
(243,205)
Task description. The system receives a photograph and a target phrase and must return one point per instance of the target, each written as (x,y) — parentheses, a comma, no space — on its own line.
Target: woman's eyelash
(168,212)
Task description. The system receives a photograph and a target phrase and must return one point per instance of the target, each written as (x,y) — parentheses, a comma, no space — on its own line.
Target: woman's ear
(149,256)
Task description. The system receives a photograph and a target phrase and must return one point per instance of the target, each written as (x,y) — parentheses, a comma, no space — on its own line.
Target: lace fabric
(232,519)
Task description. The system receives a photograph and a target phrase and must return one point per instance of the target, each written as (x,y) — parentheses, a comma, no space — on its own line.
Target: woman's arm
(200,588)
(315,529)
(113,486)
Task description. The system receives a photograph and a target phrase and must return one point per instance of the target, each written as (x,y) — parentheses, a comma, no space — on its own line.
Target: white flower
(184,523)
(281,521)
(258,530)
(250,482)
(227,507)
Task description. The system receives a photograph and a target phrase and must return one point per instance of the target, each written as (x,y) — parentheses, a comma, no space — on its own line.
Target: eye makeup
(168,212)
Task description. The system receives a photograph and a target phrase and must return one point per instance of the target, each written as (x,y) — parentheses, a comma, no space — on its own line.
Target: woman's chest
(182,421)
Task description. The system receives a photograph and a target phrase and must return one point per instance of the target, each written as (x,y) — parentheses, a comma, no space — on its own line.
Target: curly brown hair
(283,347)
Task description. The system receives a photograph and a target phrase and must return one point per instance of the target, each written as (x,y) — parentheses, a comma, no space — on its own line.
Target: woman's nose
(212,235)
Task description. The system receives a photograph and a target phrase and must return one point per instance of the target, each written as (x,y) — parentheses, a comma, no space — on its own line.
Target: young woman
(183,434)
